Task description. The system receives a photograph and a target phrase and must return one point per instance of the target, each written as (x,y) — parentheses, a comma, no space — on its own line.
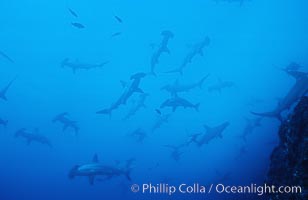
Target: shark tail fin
(197,107)
(268,114)
(177,70)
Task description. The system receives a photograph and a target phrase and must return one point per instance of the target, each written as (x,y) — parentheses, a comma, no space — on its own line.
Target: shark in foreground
(79,66)
(129,91)
(197,49)
(176,102)
(95,169)
(176,87)
(4,90)
(299,89)
(33,136)
(167,35)
(211,133)
(66,122)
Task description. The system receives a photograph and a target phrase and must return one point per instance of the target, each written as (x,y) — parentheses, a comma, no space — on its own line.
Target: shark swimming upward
(75,66)
(197,49)
(33,136)
(95,169)
(163,48)
(140,103)
(299,89)
(129,91)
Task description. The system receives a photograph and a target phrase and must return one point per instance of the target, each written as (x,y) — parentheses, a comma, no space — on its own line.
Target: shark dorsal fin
(95,158)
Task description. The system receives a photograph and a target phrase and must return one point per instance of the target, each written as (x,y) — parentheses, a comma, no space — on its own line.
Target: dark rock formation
(289,160)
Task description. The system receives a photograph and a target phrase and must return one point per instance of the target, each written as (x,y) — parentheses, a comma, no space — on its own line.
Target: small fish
(78,25)
(6,57)
(73,12)
(116,34)
(118,19)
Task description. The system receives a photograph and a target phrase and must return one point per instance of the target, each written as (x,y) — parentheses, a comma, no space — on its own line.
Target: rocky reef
(289,160)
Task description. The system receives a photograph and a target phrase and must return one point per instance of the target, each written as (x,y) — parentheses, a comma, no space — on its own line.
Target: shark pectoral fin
(91,180)
(197,107)
(95,158)
(174,108)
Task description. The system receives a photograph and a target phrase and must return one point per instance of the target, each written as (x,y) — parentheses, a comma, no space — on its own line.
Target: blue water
(248,43)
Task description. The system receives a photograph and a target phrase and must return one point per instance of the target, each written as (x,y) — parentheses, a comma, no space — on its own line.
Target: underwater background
(42,43)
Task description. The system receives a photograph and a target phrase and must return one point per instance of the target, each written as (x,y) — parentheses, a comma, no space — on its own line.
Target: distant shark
(33,136)
(79,66)
(299,89)
(129,91)
(4,90)
(221,85)
(161,119)
(94,169)
(176,102)
(211,133)
(167,35)
(251,125)
(175,151)
(139,134)
(197,49)
(66,122)
(176,87)
(140,103)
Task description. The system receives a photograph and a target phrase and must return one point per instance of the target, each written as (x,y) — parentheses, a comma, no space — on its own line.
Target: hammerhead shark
(33,136)
(129,91)
(211,133)
(299,89)
(78,65)
(139,134)
(140,103)
(4,90)
(176,102)
(94,169)
(161,119)
(175,151)
(197,49)
(66,122)
(167,35)
(176,87)
(251,125)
